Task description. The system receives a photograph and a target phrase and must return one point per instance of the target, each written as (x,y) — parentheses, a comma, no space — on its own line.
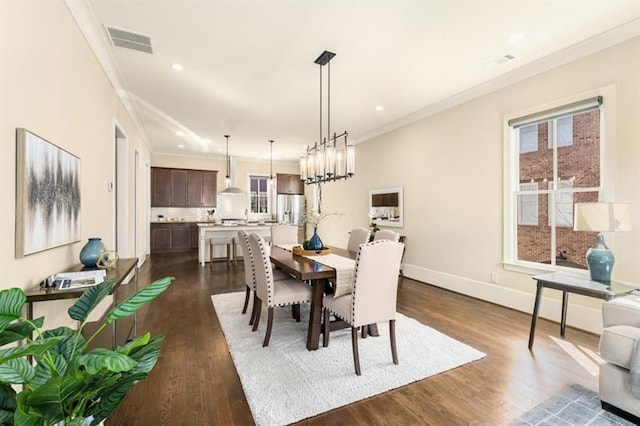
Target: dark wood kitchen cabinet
(289,184)
(160,187)
(183,188)
(160,237)
(177,237)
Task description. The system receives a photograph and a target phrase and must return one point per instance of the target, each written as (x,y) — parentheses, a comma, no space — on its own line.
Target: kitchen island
(207,230)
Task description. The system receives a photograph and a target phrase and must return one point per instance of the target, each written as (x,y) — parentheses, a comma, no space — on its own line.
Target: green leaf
(35,348)
(147,356)
(99,359)
(11,302)
(132,345)
(44,372)
(6,417)
(16,370)
(18,331)
(110,398)
(89,300)
(67,338)
(53,397)
(139,298)
(26,415)
(7,403)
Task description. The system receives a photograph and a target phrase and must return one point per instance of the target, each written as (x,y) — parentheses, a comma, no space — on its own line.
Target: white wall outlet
(495,278)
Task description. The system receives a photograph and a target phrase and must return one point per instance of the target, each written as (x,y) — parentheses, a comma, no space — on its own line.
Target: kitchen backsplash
(193,214)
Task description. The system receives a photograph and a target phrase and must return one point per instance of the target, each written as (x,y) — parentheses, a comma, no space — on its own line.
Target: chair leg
(327,327)
(295,312)
(267,335)
(253,309)
(257,304)
(392,336)
(247,294)
(365,331)
(354,345)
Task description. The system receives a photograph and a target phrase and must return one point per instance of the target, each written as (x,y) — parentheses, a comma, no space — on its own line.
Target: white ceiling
(249,66)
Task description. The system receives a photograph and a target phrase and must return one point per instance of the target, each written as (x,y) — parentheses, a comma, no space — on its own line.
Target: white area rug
(285,383)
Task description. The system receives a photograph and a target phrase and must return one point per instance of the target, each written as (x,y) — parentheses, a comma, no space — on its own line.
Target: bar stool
(229,250)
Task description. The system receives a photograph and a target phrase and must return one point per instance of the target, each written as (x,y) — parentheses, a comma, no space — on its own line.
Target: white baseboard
(578,316)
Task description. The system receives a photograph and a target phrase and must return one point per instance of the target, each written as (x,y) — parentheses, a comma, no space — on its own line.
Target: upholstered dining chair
(273,293)
(249,272)
(358,236)
(373,296)
(284,234)
(386,234)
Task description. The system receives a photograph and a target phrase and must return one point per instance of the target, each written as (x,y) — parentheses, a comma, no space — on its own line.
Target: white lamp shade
(602,217)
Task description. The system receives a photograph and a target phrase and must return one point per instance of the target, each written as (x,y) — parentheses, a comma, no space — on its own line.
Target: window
(544,185)
(565,132)
(259,194)
(528,204)
(563,204)
(528,139)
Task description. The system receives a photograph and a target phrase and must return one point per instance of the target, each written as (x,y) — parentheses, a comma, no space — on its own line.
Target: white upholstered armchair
(373,297)
(620,348)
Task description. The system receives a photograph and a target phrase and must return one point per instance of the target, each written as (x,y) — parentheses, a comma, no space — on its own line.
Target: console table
(119,273)
(572,283)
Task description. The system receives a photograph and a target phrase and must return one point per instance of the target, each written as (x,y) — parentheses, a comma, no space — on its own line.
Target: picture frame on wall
(47,195)
(386,206)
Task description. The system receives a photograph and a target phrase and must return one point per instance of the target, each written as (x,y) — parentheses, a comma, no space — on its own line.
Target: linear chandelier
(332,158)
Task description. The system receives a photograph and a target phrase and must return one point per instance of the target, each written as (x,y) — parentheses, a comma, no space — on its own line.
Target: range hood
(232,190)
(230,179)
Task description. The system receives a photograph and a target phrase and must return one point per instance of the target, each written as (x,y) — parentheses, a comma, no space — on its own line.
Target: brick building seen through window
(578,168)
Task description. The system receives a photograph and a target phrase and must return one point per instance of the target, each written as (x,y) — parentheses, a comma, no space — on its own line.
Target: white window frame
(562,204)
(528,204)
(511,185)
(267,196)
(528,144)
(564,136)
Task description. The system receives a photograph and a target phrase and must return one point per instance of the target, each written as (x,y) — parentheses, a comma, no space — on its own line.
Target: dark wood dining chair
(373,296)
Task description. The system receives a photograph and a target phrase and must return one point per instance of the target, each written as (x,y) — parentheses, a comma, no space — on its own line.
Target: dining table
(318,275)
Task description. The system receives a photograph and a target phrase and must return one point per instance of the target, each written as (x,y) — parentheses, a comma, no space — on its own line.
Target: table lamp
(601,217)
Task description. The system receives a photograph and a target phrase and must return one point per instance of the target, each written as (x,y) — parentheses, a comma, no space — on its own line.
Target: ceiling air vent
(130,40)
(503,59)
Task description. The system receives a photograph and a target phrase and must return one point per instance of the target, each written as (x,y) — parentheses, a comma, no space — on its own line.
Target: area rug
(576,405)
(285,383)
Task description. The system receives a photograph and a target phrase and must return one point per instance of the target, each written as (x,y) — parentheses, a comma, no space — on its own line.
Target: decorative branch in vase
(312,217)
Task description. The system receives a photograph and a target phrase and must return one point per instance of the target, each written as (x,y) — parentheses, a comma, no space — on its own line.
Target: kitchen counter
(207,230)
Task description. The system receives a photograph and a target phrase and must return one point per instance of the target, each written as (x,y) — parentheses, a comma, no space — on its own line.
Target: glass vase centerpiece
(313,218)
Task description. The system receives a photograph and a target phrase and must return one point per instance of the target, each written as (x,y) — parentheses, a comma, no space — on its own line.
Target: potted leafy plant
(63,383)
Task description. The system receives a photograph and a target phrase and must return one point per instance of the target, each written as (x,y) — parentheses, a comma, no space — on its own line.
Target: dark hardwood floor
(195,381)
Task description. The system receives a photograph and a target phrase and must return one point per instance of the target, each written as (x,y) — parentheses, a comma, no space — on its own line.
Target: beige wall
(52,85)
(451,167)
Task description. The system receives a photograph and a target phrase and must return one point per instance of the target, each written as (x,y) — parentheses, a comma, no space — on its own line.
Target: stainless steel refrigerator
(290,209)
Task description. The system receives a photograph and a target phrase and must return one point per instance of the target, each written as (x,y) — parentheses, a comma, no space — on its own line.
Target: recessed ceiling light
(204,141)
(516,37)
(177,67)
(379,108)
(180,133)
(181,146)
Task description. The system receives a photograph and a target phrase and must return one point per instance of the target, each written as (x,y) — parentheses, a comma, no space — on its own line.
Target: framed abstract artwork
(47,195)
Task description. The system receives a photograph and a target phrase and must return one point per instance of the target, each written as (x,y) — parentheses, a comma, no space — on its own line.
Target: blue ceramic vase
(90,252)
(315,243)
